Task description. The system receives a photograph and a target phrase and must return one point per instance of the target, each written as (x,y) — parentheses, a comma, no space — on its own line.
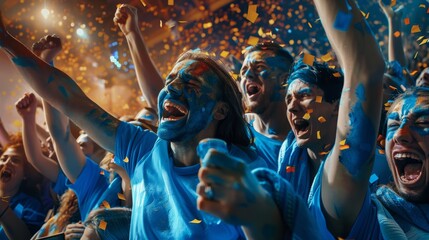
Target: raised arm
(4,135)
(26,108)
(148,77)
(347,168)
(61,91)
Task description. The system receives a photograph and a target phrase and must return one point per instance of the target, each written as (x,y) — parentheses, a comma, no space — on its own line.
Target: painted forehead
(410,104)
(299,86)
(196,69)
(259,54)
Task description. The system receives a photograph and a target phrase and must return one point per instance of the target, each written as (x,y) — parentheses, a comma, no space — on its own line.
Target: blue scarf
(415,214)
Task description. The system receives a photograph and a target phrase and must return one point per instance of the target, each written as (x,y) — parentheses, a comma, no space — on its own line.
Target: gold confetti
(407,21)
(102,225)
(415,29)
(160,23)
(324,153)
(343,147)
(367,16)
(397,34)
(318,135)
(331,66)
(393,3)
(126,160)
(337,74)
(105,204)
(290,169)
(413,72)
(422,6)
(224,54)
(319,99)
(392,87)
(144,4)
(420,38)
(195,221)
(170,2)
(309,111)
(252,15)
(424,41)
(309,24)
(306,116)
(327,57)
(308,59)
(381,151)
(343,142)
(321,119)
(102,172)
(415,55)
(252,40)
(207,25)
(121,196)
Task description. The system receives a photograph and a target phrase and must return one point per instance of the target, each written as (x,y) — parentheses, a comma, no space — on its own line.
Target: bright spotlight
(45,13)
(81,33)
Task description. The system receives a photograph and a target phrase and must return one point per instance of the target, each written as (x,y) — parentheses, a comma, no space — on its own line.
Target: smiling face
(407,147)
(312,119)
(11,170)
(423,79)
(186,103)
(262,75)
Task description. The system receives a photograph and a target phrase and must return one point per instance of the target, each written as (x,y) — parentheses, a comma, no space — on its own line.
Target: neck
(273,122)
(184,153)
(7,193)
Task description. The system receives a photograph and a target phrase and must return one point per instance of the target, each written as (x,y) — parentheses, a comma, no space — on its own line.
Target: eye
(422,122)
(243,70)
(392,124)
(260,67)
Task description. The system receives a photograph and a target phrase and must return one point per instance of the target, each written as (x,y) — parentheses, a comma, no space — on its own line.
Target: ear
(220,111)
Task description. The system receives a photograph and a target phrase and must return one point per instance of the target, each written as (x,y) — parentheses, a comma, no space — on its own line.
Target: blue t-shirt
(59,186)
(92,188)
(164,196)
(267,148)
(27,208)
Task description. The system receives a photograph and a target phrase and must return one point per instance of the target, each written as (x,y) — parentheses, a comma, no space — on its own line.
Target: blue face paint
(24,62)
(361,137)
(304,91)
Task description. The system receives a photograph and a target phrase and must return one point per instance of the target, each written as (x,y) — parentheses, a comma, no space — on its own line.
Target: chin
(417,197)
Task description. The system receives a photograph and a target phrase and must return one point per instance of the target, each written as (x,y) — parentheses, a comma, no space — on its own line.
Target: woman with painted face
(21,212)
(200,100)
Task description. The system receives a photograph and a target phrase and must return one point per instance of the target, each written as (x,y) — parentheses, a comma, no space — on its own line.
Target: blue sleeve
(132,143)
(294,210)
(89,187)
(60,185)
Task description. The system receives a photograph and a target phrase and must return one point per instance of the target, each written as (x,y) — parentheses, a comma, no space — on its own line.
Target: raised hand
(126,18)
(47,47)
(74,231)
(27,105)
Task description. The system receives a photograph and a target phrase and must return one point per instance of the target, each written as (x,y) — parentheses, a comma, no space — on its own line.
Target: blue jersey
(267,148)
(164,196)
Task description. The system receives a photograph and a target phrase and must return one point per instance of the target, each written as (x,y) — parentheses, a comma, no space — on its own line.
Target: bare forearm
(148,77)
(4,135)
(33,151)
(396,47)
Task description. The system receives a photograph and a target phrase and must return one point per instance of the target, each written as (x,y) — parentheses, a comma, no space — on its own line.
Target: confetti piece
(392,88)
(309,111)
(407,21)
(224,54)
(309,24)
(321,119)
(195,221)
(126,159)
(252,15)
(170,2)
(105,204)
(415,55)
(102,225)
(393,3)
(290,169)
(308,59)
(306,116)
(413,72)
(344,147)
(324,153)
(285,85)
(160,23)
(397,34)
(343,142)
(331,66)
(207,25)
(381,151)
(424,41)
(144,4)
(422,6)
(318,135)
(252,40)
(363,13)
(415,29)
(121,196)
(420,38)
(319,99)
(327,57)
(337,74)
(102,172)
(343,21)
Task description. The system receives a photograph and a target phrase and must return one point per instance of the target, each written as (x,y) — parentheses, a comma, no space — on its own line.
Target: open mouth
(409,167)
(173,111)
(252,89)
(5,175)
(301,126)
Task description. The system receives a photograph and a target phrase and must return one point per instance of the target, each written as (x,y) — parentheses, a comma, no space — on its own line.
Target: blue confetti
(342,21)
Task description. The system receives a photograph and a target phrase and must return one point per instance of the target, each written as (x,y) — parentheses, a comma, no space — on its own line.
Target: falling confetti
(121,196)
(397,34)
(105,204)
(407,21)
(126,160)
(252,15)
(415,29)
(327,57)
(318,135)
(308,59)
(319,99)
(252,40)
(290,169)
(195,221)
(102,225)
(224,54)
(170,2)
(321,119)
(306,116)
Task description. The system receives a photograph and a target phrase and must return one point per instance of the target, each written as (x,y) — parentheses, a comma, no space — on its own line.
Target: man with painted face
(423,79)
(200,100)
(312,100)
(264,70)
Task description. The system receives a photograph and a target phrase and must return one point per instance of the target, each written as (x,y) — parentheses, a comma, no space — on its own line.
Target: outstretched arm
(4,135)
(61,91)
(150,81)
(348,167)
(26,108)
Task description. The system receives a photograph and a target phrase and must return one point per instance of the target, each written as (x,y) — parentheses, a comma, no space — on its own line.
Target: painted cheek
(420,131)
(264,74)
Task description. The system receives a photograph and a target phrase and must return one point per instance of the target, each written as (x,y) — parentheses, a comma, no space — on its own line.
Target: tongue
(412,170)
(174,112)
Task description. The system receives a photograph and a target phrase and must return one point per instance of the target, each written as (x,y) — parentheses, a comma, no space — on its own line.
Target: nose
(175,88)
(293,105)
(403,134)
(248,74)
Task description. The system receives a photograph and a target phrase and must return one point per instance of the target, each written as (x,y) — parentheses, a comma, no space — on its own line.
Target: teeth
(171,104)
(400,156)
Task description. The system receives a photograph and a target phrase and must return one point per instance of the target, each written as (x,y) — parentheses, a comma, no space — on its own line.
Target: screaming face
(407,147)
